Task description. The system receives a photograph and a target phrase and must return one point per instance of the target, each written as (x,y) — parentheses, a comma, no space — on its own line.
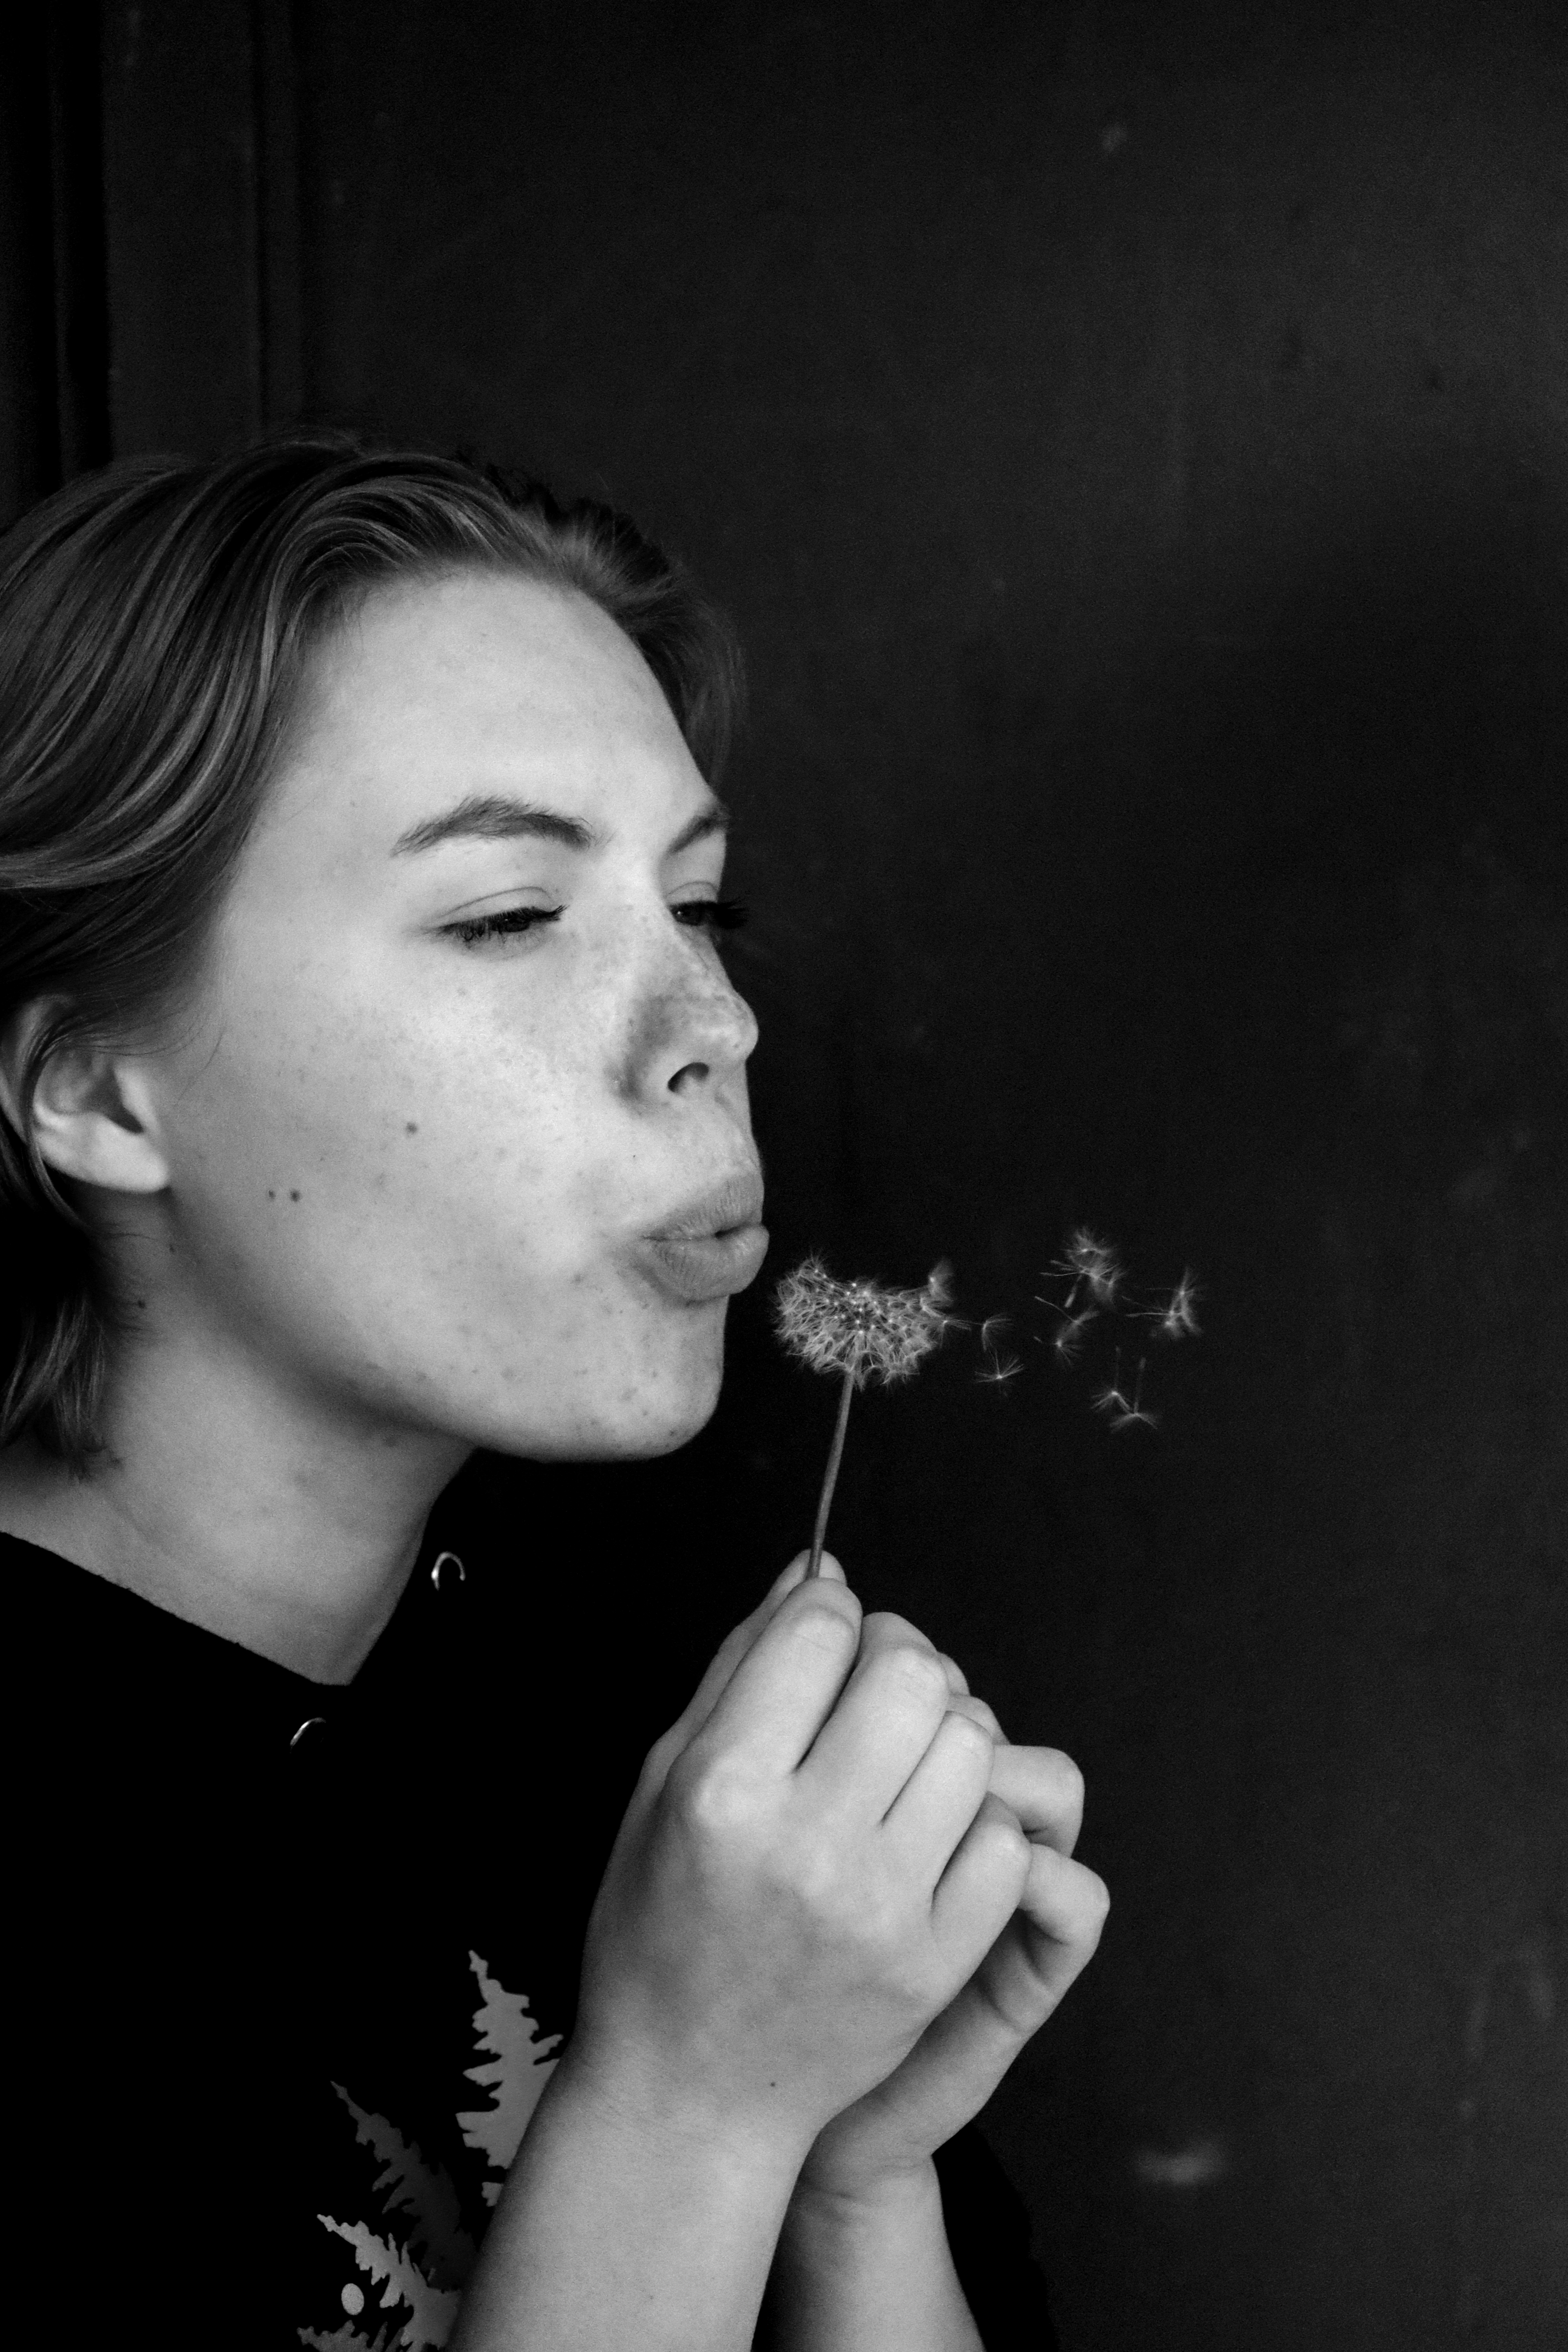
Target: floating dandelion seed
(1066,1344)
(1125,1412)
(1110,1398)
(999,1369)
(862,1332)
(1088,1264)
(1090,1281)
(1177,1320)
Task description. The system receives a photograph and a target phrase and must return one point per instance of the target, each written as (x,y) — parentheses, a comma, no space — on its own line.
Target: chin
(642,1440)
(663,1423)
(637,1420)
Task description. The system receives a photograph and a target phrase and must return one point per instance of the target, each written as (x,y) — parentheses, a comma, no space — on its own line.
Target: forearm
(629,2224)
(869,2275)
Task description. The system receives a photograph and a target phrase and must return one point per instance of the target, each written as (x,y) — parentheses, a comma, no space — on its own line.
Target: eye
(711,914)
(509,923)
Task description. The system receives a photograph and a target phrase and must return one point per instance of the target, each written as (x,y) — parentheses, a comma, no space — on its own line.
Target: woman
(375,1092)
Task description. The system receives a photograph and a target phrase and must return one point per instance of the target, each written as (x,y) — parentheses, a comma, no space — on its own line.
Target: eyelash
(696,914)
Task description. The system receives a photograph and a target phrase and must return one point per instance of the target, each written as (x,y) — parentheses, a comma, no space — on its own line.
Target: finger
(980,1887)
(890,1713)
(1061,1920)
(958,1682)
(783,1689)
(735,1644)
(1045,1789)
(964,2052)
(965,1703)
(941,1798)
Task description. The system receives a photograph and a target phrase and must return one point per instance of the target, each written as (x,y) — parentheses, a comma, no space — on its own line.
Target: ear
(92,1114)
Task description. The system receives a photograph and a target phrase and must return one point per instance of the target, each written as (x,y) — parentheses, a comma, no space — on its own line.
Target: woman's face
(467,1101)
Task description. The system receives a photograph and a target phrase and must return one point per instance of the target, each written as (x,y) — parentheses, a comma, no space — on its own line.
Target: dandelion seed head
(860,1328)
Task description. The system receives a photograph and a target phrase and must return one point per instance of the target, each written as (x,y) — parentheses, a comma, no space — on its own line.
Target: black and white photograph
(783,1174)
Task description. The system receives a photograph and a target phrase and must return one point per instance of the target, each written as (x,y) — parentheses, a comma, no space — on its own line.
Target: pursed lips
(737,1200)
(713,1245)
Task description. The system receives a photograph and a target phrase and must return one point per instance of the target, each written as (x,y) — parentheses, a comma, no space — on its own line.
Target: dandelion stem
(830,1476)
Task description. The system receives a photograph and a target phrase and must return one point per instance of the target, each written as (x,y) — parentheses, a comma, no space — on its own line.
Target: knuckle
(832,1625)
(1000,1831)
(969,1734)
(919,1673)
(974,1711)
(712,1800)
(885,1629)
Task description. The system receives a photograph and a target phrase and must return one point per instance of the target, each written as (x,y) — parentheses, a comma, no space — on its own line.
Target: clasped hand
(839,1903)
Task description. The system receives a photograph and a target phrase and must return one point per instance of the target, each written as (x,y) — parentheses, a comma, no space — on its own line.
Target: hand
(810,1870)
(892,2130)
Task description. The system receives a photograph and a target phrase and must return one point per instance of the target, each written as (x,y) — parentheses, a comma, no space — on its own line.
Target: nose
(698,1033)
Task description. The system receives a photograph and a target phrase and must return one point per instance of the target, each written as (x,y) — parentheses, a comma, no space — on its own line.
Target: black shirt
(299,1958)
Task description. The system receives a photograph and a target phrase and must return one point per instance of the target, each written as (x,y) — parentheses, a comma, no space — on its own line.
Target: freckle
(270,1194)
(412,1128)
(293,1196)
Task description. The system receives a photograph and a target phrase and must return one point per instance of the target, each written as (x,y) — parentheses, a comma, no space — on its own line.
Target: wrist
(867,2268)
(633,2214)
(641,2095)
(830,2202)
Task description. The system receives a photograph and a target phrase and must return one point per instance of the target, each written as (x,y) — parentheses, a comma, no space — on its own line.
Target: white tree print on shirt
(422,2253)
(521,2061)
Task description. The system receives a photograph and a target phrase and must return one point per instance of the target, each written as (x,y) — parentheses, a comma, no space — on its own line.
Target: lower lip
(709,1266)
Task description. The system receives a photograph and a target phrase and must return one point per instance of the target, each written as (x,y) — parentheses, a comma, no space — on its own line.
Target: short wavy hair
(155,620)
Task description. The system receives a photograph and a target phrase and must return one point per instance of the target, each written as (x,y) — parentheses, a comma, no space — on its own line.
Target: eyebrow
(494,816)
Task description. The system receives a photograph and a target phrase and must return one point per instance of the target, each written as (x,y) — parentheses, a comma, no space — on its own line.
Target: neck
(254,1510)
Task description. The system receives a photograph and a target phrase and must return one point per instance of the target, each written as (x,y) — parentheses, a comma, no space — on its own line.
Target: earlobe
(89,1119)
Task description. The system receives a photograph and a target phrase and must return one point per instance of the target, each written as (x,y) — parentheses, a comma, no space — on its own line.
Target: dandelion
(860,1332)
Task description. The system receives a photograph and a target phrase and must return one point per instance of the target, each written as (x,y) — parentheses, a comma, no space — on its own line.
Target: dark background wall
(1134,441)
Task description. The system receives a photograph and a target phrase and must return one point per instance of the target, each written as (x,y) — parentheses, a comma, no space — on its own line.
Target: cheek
(349,1110)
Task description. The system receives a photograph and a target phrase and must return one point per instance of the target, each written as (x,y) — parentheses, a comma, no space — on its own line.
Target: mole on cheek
(293,1196)
(412,1127)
